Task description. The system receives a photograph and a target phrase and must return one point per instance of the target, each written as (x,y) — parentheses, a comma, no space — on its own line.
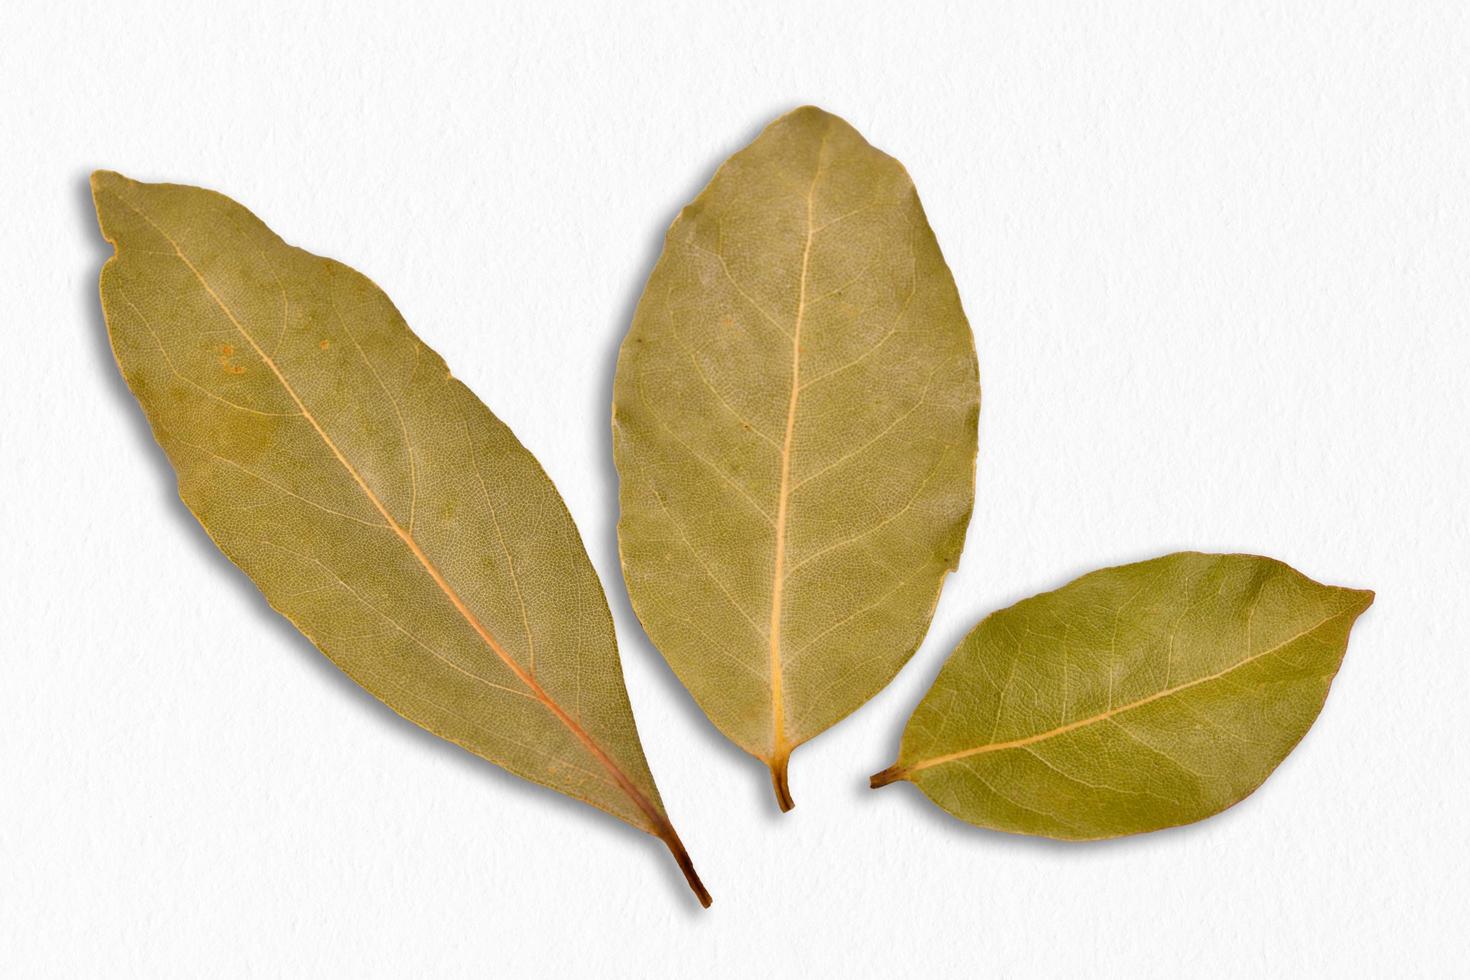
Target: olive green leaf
(1132,699)
(794,422)
(375,501)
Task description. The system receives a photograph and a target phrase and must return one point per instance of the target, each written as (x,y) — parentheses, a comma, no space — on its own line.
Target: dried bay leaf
(794,419)
(1132,699)
(375,501)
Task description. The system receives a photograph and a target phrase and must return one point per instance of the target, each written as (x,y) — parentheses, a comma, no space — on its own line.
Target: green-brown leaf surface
(794,423)
(1132,699)
(374,500)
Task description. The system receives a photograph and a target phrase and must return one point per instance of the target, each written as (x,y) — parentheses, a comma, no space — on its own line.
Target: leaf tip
(1357,601)
(101,179)
(104,182)
(812,116)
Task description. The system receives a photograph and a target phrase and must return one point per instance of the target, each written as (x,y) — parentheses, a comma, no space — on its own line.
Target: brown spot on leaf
(325,343)
(227,351)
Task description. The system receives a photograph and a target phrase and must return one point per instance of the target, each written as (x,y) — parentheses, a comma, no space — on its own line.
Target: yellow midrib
(660,823)
(779,747)
(1112,712)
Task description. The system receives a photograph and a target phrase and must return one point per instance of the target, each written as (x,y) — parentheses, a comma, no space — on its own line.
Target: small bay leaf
(794,419)
(1132,699)
(373,499)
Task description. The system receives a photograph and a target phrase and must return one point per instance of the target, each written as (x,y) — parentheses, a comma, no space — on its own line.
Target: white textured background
(1217,258)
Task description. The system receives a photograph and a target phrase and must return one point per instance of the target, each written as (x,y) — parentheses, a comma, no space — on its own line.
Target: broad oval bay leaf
(375,501)
(794,419)
(1132,699)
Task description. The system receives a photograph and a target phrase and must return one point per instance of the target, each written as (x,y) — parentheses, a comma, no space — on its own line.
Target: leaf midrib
(915,767)
(780,749)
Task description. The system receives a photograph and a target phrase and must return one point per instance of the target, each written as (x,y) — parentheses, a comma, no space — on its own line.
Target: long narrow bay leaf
(794,421)
(375,501)
(1132,699)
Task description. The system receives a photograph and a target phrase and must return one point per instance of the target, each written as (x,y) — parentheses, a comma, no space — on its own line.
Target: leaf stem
(778,781)
(892,774)
(681,857)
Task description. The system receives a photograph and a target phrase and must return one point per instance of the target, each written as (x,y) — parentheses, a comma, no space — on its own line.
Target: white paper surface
(1217,258)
